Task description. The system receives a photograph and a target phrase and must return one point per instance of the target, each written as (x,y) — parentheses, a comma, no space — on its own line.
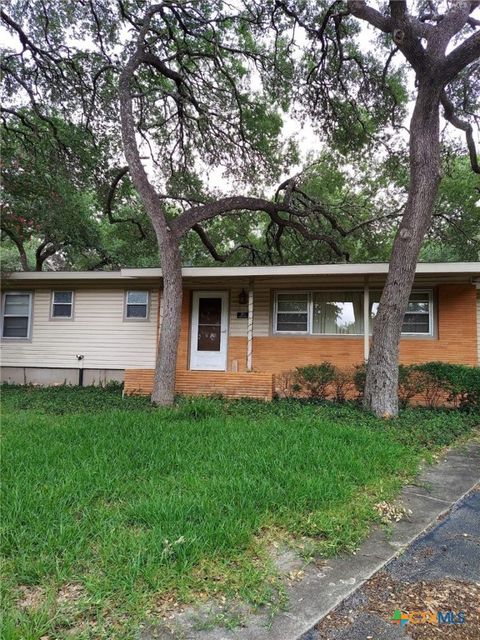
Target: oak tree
(440,44)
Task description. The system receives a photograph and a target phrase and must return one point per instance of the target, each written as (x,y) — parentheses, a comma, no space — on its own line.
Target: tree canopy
(355,98)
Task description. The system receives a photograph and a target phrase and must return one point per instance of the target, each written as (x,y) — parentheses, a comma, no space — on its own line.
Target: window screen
(137,305)
(417,319)
(62,304)
(292,312)
(16,315)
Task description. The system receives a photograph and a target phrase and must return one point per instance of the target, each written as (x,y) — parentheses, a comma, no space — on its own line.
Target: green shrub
(65,399)
(359,378)
(411,382)
(113,385)
(315,379)
(342,384)
(424,427)
(285,386)
(460,382)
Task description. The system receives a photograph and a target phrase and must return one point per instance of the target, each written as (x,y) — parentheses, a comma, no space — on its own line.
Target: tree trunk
(381,389)
(23,257)
(164,384)
(21,250)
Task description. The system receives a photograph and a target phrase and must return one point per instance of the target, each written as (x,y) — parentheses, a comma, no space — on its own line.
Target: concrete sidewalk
(324,586)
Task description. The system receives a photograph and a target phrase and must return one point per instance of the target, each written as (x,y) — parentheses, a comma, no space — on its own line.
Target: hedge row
(431,383)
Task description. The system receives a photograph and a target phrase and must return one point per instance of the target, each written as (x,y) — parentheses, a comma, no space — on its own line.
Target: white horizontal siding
(237,326)
(98,331)
(261,310)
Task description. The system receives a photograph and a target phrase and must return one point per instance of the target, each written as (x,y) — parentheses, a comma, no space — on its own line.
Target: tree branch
(140,178)
(361,10)
(109,203)
(461,57)
(456,121)
(236,204)
(224,206)
(44,251)
(451,23)
(223,257)
(205,238)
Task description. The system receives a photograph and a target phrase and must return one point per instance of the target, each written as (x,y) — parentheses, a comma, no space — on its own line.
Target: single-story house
(240,325)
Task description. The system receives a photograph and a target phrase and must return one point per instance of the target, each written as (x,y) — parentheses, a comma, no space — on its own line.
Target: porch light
(242,297)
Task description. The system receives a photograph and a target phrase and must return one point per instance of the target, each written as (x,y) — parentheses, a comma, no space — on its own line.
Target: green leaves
(47,188)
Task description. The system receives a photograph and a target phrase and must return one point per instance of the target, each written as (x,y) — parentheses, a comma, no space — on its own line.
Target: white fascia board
(308,270)
(438,268)
(63,275)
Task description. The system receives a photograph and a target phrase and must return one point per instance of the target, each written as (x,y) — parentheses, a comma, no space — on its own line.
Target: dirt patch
(30,597)
(70,593)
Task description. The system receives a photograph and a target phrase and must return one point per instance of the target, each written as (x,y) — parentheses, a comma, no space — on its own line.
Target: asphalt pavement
(438,573)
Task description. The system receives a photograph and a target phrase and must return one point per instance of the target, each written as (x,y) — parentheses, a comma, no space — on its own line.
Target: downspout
(250,327)
(80,359)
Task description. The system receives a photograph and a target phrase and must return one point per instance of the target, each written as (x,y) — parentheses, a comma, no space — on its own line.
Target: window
(338,313)
(62,304)
(16,315)
(341,313)
(292,312)
(419,315)
(137,305)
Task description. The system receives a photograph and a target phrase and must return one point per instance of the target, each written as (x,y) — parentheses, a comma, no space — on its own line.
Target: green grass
(135,506)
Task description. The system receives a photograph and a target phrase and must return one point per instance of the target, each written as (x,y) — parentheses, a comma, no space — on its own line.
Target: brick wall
(226,383)
(455,341)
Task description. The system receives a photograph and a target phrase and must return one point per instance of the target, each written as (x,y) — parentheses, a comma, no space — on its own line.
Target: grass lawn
(112,510)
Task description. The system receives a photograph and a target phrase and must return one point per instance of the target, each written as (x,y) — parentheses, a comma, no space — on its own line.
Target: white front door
(208,341)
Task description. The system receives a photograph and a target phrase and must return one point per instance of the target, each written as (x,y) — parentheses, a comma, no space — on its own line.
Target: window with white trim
(62,304)
(335,313)
(16,315)
(418,319)
(136,305)
(292,312)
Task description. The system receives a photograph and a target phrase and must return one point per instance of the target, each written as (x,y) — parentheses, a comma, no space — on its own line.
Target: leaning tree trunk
(381,389)
(164,383)
(167,239)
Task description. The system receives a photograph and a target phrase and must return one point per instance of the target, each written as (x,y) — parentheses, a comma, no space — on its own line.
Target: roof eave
(469,269)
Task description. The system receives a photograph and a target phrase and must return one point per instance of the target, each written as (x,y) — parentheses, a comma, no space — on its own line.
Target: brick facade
(455,341)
